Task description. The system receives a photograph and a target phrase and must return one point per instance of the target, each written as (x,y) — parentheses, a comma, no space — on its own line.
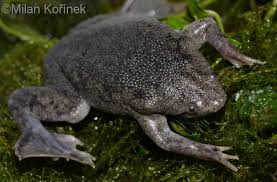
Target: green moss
(123,152)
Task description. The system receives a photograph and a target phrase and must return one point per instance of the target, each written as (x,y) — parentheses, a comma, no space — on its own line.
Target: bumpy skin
(137,63)
(130,65)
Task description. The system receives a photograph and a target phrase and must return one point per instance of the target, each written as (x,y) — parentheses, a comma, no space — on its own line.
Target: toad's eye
(191,109)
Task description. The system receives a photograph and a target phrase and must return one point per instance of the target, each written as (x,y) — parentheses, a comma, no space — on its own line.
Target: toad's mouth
(188,115)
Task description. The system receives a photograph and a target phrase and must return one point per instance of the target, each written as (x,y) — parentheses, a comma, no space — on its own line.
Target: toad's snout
(214,102)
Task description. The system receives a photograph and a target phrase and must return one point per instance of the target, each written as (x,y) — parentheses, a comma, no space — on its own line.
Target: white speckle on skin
(80,113)
(213,77)
(200,28)
(215,103)
(193,147)
(199,103)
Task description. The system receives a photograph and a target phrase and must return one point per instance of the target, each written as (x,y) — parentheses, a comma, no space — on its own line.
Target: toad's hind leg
(156,127)
(206,30)
(30,105)
(57,101)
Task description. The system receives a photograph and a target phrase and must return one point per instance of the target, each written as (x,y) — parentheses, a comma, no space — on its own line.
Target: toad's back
(123,59)
(127,65)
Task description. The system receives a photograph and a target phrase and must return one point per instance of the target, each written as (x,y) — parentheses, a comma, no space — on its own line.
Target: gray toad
(130,64)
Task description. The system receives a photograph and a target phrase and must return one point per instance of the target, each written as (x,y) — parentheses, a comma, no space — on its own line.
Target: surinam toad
(127,63)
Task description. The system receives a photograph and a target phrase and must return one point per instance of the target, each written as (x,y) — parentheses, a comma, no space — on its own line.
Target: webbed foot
(42,143)
(215,153)
(156,127)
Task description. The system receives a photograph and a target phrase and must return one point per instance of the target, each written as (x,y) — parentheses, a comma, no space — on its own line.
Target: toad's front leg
(156,127)
(206,30)
(30,105)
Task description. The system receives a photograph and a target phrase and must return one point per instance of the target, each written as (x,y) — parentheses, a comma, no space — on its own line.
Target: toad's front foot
(206,30)
(236,58)
(42,143)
